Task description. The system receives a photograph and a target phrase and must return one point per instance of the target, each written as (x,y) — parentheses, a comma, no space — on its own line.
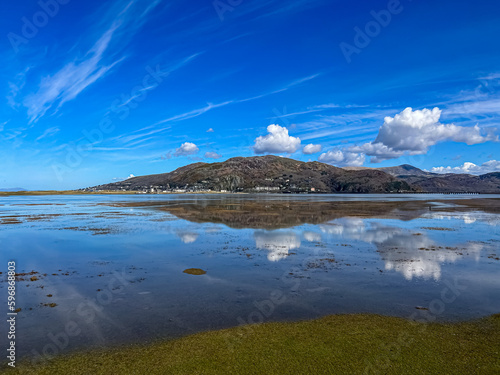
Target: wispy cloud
(74,77)
(15,89)
(47,133)
(200,111)
(319,108)
(287,87)
(153,129)
(193,113)
(71,80)
(351,131)
(357,121)
(2,125)
(474,108)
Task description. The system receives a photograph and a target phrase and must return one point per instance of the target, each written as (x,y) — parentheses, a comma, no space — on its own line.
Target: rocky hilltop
(263,174)
(281,175)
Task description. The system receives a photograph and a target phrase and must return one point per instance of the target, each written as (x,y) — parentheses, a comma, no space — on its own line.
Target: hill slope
(282,175)
(458,183)
(265,173)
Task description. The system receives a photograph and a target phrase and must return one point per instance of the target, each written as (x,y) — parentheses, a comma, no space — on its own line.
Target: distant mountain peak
(408,167)
(10,190)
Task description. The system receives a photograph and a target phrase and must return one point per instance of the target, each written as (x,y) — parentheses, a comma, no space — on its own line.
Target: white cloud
(342,158)
(186,149)
(410,132)
(123,179)
(311,149)
(416,131)
(378,151)
(470,168)
(212,155)
(277,141)
(210,130)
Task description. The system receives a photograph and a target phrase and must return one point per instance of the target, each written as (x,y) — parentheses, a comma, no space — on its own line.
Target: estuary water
(103,270)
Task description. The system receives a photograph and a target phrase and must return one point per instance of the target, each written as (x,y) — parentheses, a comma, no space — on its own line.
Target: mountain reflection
(262,214)
(410,253)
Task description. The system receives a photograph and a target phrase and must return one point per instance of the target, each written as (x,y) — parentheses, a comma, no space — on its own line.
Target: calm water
(114,264)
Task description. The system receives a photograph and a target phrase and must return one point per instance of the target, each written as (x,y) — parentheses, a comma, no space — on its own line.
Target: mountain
(12,189)
(264,174)
(442,183)
(459,183)
(407,170)
(445,183)
(404,170)
(282,175)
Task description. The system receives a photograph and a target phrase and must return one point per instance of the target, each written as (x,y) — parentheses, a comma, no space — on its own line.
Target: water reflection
(188,237)
(270,214)
(312,236)
(408,252)
(411,253)
(277,243)
(411,263)
(326,257)
(467,218)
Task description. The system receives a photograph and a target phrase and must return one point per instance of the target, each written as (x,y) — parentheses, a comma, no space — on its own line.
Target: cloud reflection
(312,236)
(277,243)
(188,237)
(412,254)
(466,217)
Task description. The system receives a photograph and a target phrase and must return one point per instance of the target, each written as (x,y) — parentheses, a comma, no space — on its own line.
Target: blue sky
(97,91)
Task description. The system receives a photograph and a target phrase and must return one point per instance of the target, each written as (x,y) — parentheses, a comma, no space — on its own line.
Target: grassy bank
(340,344)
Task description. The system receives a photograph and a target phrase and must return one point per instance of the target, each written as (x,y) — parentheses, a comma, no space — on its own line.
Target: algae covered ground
(338,344)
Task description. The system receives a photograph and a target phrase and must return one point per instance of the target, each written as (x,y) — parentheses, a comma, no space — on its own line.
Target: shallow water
(113,265)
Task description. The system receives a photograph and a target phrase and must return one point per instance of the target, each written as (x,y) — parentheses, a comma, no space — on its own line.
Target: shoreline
(116,192)
(349,343)
(110,192)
